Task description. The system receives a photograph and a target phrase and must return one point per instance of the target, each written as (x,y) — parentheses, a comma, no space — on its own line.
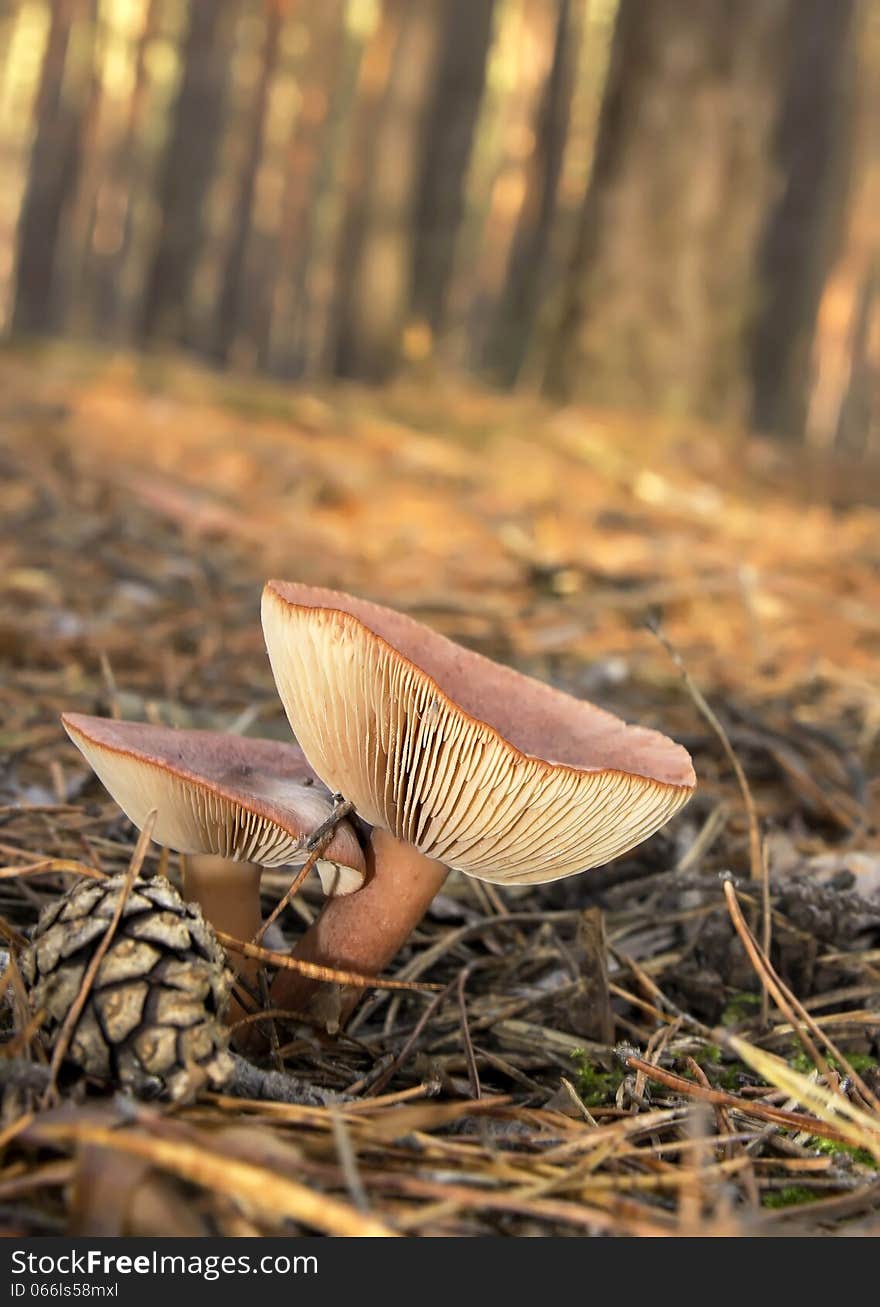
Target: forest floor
(613,1053)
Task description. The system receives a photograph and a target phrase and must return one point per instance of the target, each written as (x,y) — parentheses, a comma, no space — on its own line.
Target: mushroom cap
(476,765)
(248,800)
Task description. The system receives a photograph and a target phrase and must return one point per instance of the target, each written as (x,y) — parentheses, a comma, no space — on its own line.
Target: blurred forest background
(556,325)
(664,205)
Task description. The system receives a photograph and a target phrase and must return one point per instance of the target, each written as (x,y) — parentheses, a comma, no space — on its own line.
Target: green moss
(707,1057)
(835,1149)
(859,1062)
(595,1085)
(731,1077)
(739,1008)
(862,1062)
(724,1075)
(793,1195)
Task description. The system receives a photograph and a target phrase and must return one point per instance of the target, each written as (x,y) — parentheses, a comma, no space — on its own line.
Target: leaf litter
(672,1045)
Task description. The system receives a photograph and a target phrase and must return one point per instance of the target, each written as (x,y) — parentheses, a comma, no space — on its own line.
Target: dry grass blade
(65,1034)
(852,1124)
(756,855)
(273,1196)
(751,1107)
(797,1014)
(769,979)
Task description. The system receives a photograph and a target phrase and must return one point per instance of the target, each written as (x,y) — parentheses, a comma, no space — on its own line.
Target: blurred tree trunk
(664,281)
(805,227)
(327,83)
(519,300)
(228,309)
(450,121)
(376,246)
(60,111)
(114,214)
(188,166)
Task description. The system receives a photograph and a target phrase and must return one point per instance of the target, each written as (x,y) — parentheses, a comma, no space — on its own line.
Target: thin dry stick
(705,838)
(663,1017)
(19,1042)
(723,1120)
(12,977)
(766,920)
(473,1073)
(292,889)
(317,843)
(579,1103)
(757,860)
(749,1107)
(269,1014)
(856,1124)
(11,936)
(656,992)
(770,981)
(392,1069)
(52,865)
(274,1041)
(792,1007)
(733,1142)
(110,686)
(6,979)
(403,1096)
(66,1032)
(15,1128)
(316,972)
(654,1051)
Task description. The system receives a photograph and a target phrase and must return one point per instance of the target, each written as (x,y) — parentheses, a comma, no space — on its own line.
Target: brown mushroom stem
(364,931)
(229,895)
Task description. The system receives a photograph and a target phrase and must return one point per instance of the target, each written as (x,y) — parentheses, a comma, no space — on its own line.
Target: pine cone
(153,1018)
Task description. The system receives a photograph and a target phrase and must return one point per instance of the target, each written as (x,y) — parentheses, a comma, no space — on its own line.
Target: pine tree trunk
(805,227)
(114,219)
(664,286)
(56,157)
(516,311)
(288,310)
(376,249)
(450,122)
(188,166)
(228,309)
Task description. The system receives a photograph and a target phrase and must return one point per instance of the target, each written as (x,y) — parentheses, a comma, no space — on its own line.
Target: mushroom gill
(540,787)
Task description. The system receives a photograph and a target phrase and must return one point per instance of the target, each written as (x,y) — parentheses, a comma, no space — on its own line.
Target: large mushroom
(231,804)
(455,762)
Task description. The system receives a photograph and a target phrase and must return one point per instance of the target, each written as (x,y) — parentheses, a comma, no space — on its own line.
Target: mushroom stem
(229,895)
(363,931)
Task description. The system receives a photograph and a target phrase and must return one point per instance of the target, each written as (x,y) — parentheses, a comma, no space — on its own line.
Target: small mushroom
(231,804)
(455,761)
